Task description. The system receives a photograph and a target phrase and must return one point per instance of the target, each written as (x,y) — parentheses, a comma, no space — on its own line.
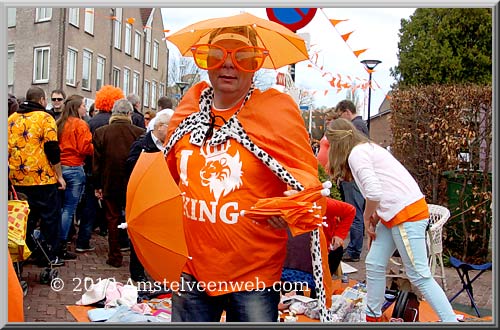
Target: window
(146,94)
(156,47)
(117,23)
(126,81)
(101,65)
(89,20)
(87,69)
(10,64)
(43,14)
(11,17)
(128,38)
(41,63)
(137,45)
(161,92)
(148,47)
(71,67)
(135,83)
(74,16)
(116,77)
(154,85)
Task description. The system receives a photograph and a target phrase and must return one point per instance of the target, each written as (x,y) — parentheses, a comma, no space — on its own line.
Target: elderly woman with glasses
(230,144)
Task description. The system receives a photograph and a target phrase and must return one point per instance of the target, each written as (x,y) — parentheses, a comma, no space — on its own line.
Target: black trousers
(45,206)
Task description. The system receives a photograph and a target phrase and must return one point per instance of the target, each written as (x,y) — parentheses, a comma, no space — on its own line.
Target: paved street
(42,304)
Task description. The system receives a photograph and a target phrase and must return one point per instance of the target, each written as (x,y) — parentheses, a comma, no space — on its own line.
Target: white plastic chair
(438,216)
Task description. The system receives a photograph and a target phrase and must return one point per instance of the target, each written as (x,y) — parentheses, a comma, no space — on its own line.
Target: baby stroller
(48,273)
(18,210)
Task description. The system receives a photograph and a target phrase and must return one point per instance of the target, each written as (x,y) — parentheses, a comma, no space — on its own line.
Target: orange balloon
(130,20)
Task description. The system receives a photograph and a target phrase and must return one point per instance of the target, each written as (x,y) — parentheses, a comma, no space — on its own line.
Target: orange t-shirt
(221,181)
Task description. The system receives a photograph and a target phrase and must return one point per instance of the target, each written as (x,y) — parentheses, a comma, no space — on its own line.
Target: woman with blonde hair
(395,217)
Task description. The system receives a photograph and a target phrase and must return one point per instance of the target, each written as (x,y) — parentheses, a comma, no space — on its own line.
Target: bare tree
(264,79)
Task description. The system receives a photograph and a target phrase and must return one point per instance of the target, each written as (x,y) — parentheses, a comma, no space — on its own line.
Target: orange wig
(106,97)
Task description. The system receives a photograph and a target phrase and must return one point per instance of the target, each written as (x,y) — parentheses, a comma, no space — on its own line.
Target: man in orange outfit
(229,144)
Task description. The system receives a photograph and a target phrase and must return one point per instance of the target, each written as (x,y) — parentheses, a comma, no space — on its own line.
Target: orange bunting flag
(337,21)
(314,92)
(326,91)
(130,20)
(346,36)
(90,11)
(309,65)
(359,52)
(166,30)
(388,97)
(338,90)
(332,82)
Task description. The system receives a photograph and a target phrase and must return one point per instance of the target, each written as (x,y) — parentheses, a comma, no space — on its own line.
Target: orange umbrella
(284,46)
(154,218)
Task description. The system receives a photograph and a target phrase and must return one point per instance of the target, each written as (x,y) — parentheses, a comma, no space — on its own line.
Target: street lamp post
(370,65)
(182,85)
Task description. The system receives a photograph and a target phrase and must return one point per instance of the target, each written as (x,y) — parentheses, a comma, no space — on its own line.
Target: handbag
(18,211)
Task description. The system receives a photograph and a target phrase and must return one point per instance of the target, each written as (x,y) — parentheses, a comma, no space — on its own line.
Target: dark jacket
(111,148)
(99,120)
(143,143)
(138,119)
(360,124)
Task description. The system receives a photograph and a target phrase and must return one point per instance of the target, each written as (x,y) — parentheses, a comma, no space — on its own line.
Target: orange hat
(105,98)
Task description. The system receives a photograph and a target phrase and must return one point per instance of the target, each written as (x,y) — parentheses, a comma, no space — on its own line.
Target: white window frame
(89,20)
(117,23)
(126,80)
(154,88)
(115,76)
(72,60)
(43,14)
(86,58)
(161,91)
(145,102)
(135,82)
(100,72)
(74,16)
(137,45)
(11,54)
(147,45)
(156,52)
(45,70)
(128,38)
(11,17)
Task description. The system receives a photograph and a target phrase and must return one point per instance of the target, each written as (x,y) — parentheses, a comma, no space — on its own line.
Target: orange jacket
(75,142)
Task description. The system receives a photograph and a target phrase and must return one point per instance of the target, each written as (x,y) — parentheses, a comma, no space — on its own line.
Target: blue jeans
(87,216)
(409,239)
(75,183)
(353,196)
(193,305)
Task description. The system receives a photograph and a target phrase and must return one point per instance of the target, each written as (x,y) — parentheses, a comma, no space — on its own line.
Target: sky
(374,29)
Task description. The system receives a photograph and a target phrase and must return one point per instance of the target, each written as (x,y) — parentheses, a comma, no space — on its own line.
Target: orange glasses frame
(265,53)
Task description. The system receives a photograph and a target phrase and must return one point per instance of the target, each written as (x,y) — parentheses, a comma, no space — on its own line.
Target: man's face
(161,131)
(57,100)
(228,78)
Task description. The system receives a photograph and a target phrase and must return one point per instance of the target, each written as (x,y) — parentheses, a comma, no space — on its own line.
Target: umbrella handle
(123,225)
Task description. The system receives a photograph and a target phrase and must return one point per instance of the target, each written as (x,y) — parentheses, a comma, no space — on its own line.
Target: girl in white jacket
(396,216)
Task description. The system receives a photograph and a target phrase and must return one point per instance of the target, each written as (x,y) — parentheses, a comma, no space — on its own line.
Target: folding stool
(463,269)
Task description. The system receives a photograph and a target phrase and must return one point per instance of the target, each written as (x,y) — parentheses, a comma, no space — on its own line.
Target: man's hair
(163,118)
(122,107)
(35,94)
(244,31)
(345,105)
(134,99)
(13,105)
(58,91)
(165,103)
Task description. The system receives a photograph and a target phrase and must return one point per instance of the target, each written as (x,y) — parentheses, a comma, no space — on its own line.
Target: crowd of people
(66,161)
(220,151)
